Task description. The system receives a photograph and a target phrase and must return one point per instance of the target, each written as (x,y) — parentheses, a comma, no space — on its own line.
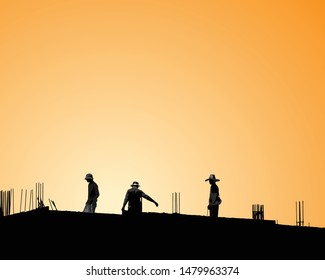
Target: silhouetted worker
(93,194)
(133,197)
(214,198)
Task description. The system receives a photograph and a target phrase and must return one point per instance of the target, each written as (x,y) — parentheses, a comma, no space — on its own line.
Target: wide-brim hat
(212,177)
(135,184)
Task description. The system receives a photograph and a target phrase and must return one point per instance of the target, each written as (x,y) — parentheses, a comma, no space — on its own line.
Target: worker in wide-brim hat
(214,197)
(212,177)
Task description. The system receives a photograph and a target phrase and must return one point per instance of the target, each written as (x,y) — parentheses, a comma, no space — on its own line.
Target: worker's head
(89,177)
(135,184)
(212,178)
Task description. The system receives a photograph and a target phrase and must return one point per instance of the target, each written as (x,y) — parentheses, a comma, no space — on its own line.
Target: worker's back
(135,200)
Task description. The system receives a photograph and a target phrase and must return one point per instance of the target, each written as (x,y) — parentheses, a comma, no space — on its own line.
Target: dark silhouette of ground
(47,234)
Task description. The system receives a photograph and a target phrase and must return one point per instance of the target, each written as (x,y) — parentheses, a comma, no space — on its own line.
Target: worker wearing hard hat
(93,194)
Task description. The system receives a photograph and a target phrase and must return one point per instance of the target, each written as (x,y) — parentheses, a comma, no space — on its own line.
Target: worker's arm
(90,198)
(150,199)
(125,201)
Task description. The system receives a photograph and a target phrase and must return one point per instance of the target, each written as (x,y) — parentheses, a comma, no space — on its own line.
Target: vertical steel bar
(4,203)
(296,214)
(36,196)
(262,212)
(179,202)
(39,194)
(299,214)
(43,192)
(25,199)
(175,206)
(13,201)
(32,195)
(175,197)
(1,208)
(303,214)
(30,199)
(9,202)
(21,198)
(7,195)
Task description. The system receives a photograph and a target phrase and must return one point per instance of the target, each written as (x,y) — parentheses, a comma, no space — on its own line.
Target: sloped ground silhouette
(47,234)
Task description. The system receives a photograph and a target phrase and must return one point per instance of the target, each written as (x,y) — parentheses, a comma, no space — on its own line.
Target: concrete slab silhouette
(47,234)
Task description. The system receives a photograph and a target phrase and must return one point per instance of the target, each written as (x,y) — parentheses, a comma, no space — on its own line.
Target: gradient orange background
(165,93)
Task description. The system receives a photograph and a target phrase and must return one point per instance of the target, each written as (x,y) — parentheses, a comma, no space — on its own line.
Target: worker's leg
(214,211)
(93,206)
(217,211)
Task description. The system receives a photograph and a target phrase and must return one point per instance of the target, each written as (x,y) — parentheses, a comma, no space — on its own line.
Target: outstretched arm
(150,199)
(125,201)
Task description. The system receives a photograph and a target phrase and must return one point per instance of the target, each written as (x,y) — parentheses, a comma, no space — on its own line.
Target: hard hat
(89,176)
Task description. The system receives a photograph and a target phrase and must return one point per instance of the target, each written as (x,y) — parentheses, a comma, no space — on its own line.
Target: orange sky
(165,93)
